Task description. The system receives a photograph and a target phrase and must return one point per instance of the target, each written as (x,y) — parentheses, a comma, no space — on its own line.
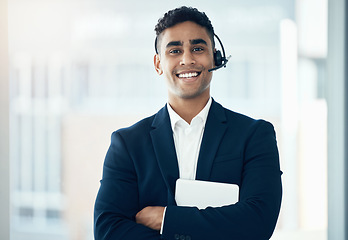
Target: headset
(220,60)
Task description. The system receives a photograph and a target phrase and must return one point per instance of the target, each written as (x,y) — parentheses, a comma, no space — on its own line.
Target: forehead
(184,32)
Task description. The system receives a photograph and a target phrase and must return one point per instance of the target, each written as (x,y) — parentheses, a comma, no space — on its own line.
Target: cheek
(211,61)
(169,68)
(208,61)
(165,64)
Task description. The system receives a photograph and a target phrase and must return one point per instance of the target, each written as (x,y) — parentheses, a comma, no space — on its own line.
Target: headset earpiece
(218,58)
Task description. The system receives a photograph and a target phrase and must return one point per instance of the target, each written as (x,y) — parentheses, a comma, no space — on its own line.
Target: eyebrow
(174,43)
(192,42)
(198,41)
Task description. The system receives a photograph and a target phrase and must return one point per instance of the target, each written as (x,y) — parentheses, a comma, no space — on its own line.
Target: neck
(187,109)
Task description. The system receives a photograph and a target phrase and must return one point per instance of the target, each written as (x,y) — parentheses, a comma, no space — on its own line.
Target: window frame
(337,121)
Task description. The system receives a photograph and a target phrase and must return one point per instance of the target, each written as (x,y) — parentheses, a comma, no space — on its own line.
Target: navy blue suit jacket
(141,168)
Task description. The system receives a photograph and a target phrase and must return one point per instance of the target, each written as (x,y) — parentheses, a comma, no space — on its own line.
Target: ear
(157,63)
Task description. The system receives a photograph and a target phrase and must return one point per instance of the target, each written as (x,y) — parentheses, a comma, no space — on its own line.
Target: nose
(187,58)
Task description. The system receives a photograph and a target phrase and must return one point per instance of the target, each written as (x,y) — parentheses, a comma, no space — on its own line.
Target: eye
(197,49)
(174,51)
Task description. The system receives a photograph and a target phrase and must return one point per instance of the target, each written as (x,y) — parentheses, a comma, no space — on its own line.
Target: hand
(151,217)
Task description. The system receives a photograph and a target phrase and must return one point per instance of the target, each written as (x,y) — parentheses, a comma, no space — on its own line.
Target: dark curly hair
(183,14)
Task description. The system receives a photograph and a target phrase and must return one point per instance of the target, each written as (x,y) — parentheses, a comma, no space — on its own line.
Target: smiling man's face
(185,55)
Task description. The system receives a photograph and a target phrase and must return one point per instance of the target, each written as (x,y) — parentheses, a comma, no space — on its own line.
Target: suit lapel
(215,128)
(164,147)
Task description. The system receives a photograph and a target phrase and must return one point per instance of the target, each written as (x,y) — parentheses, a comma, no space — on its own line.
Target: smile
(188,75)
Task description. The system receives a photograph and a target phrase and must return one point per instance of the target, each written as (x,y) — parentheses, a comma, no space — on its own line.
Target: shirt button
(176,237)
(182,237)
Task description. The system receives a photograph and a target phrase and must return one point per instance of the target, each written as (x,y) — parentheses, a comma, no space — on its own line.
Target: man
(192,137)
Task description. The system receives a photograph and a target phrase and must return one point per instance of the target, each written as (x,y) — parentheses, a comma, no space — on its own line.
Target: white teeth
(188,75)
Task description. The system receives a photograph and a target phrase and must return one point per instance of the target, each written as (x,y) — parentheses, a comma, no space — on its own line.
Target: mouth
(187,75)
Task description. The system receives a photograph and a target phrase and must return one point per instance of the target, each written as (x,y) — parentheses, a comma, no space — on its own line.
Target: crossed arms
(133,195)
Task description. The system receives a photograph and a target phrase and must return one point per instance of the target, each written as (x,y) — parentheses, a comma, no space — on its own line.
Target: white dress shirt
(187,140)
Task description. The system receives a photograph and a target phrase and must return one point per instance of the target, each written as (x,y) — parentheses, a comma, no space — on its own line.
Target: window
(82,70)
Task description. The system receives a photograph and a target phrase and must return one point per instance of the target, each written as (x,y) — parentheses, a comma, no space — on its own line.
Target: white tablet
(203,194)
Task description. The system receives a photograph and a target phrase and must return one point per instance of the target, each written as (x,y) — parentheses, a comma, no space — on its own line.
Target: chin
(192,95)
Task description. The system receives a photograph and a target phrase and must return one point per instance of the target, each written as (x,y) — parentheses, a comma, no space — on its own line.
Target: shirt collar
(175,118)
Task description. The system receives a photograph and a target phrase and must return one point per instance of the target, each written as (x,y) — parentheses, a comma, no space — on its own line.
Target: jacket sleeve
(117,200)
(255,215)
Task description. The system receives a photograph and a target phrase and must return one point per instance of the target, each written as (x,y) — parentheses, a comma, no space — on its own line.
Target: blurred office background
(81,69)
